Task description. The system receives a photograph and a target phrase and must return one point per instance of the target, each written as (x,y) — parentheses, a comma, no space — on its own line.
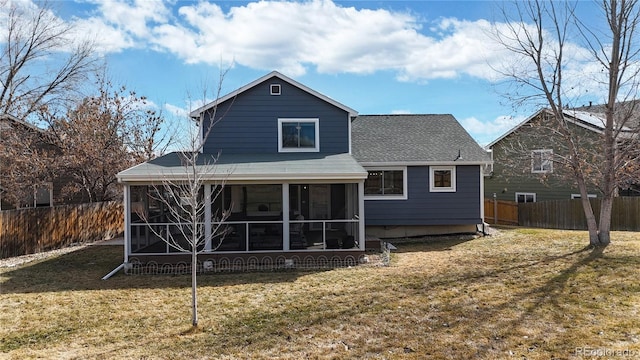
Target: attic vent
(275,89)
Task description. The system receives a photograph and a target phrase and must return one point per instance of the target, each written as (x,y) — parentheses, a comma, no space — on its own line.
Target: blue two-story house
(305,179)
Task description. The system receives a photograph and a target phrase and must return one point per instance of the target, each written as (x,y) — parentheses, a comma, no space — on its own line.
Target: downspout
(113,272)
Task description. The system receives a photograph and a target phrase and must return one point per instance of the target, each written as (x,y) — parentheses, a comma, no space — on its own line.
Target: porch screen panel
(264,200)
(148,217)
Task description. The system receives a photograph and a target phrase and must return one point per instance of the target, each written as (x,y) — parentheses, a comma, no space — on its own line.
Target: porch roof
(249,167)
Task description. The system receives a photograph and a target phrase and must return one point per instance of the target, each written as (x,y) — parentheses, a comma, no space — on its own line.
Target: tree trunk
(194,245)
(194,294)
(592,225)
(604,228)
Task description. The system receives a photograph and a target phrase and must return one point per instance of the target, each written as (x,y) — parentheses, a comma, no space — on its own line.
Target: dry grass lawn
(524,293)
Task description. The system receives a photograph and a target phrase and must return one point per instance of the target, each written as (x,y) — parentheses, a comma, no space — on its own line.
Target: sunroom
(273,204)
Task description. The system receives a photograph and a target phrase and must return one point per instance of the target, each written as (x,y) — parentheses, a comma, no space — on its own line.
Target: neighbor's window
(542,161)
(386,184)
(525,197)
(442,179)
(298,135)
(578,196)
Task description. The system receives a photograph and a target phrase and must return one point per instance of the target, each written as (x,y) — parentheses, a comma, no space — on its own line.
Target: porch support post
(361,227)
(127,222)
(285,217)
(207,217)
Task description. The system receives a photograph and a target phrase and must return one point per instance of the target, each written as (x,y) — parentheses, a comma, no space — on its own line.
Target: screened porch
(249,218)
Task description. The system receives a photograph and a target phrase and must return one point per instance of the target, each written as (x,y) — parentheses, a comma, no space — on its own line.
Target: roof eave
(247,177)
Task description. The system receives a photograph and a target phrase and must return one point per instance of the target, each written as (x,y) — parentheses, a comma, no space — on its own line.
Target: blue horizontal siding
(427,208)
(249,123)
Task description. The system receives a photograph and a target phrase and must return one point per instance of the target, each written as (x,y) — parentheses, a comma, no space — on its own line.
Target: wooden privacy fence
(506,212)
(30,231)
(568,214)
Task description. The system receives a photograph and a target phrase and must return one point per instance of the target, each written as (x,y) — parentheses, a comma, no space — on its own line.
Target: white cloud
(176,111)
(401,112)
(486,131)
(135,18)
(295,36)
(106,38)
(117,25)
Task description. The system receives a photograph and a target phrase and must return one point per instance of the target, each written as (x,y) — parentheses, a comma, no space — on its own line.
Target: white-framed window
(542,161)
(442,179)
(275,89)
(524,197)
(388,183)
(578,196)
(298,135)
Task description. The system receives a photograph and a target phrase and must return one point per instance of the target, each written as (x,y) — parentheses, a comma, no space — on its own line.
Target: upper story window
(388,183)
(298,135)
(442,179)
(542,161)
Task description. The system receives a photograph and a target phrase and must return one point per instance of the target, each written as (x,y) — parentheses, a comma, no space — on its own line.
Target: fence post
(495,209)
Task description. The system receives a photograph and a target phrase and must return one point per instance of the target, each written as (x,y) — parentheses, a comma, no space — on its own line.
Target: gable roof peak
(588,117)
(196,113)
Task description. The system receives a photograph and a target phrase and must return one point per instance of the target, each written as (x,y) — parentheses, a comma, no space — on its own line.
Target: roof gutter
(423,163)
(249,177)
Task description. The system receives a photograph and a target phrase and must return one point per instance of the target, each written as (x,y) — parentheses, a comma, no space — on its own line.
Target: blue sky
(376,57)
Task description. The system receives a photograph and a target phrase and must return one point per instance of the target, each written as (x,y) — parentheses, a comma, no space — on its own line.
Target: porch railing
(250,236)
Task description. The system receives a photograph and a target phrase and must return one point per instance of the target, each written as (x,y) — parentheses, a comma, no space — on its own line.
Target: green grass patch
(524,293)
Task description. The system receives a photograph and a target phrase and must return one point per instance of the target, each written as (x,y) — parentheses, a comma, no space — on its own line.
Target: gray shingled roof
(246,167)
(432,138)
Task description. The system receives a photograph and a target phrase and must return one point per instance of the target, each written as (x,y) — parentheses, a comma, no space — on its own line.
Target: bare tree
(103,135)
(40,64)
(84,148)
(186,200)
(543,36)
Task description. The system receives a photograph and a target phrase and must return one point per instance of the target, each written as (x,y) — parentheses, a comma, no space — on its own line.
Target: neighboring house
(524,158)
(32,192)
(306,177)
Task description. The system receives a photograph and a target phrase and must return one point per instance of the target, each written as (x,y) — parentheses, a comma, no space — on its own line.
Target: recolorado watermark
(587,351)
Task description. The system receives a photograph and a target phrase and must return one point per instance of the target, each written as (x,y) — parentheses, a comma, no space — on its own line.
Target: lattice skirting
(253,263)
